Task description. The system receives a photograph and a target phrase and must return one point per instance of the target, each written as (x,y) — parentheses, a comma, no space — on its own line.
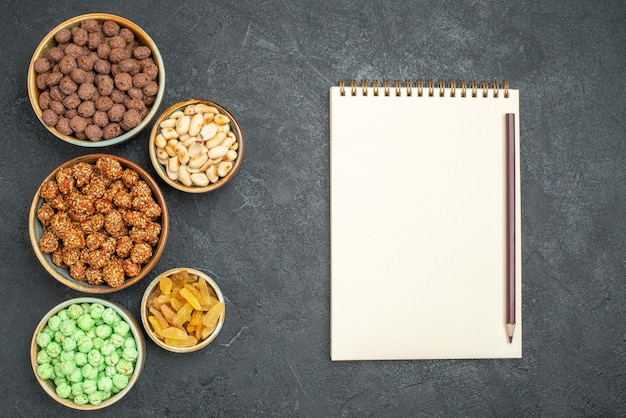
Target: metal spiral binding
(472,89)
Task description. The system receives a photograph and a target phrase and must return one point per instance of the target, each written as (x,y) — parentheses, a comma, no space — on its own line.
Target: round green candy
(48,330)
(105,384)
(109,316)
(63,315)
(94,357)
(43,357)
(58,371)
(59,380)
(115,390)
(59,336)
(89,372)
(96,310)
(77,388)
(89,386)
(112,359)
(97,343)
(85,344)
(45,371)
(107,348)
(64,390)
(124,367)
(69,344)
(121,328)
(130,354)
(110,371)
(91,333)
(130,342)
(54,322)
(75,376)
(85,322)
(80,359)
(66,356)
(101,367)
(117,340)
(81,399)
(68,327)
(43,339)
(74,311)
(120,381)
(53,349)
(95,398)
(78,334)
(104,331)
(67,367)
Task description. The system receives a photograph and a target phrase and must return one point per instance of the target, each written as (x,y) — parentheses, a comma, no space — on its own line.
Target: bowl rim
(48,386)
(33,91)
(161,171)
(85,287)
(148,327)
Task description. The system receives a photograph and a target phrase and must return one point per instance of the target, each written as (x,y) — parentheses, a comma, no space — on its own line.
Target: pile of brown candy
(97,83)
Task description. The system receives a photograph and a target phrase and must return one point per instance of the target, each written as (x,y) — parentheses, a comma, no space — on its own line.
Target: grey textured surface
(264,237)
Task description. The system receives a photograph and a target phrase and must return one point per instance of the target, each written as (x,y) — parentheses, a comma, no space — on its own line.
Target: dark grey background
(265,236)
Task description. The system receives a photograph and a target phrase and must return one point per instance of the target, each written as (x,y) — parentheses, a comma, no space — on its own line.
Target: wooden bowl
(161,169)
(145,313)
(49,386)
(49,42)
(36,230)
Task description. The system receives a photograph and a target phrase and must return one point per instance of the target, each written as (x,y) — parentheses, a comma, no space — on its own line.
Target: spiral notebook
(418,220)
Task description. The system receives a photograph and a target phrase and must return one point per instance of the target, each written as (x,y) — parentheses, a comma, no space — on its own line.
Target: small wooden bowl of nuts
(87,353)
(96,80)
(182,310)
(98,223)
(196,146)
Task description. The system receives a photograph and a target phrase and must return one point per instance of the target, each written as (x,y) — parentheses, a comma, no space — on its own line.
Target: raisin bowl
(98,223)
(96,80)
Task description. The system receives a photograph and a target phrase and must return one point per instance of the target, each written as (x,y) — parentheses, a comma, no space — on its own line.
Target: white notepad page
(418,217)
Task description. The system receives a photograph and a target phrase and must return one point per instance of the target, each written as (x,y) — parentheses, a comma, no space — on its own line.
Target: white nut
(216,140)
(199,179)
(184,176)
(190,110)
(208,118)
(173,164)
(169,133)
(217,152)
(196,124)
(229,141)
(189,141)
(198,161)
(230,155)
(173,175)
(206,165)
(182,153)
(208,131)
(197,148)
(169,149)
(162,154)
(176,115)
(224,167)
(168,123)
(182,125)
(163,161)
(221,119)
(235,146)
(211,173)
(204,108)
(160,141)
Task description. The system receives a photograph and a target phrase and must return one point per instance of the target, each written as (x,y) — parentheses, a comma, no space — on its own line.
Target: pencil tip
(510,339)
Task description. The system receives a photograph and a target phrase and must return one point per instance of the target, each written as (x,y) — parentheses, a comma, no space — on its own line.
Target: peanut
(196,145)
